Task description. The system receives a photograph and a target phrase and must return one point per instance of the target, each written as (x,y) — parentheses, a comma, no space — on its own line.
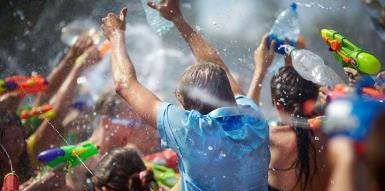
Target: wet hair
(204,87)
(121,169)
(290,91)
(374,153)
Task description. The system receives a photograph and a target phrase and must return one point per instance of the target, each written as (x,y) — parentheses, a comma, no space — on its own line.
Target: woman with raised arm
(221,140)
(296,154)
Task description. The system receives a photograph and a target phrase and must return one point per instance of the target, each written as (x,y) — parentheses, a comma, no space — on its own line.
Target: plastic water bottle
(311,67)
(156,22)
(285,26)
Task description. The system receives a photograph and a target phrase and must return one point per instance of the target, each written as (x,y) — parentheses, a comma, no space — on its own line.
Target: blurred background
(30,37)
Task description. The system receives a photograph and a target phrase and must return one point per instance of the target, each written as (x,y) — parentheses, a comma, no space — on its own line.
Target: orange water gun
(23,85)
(341,90)
(102,50)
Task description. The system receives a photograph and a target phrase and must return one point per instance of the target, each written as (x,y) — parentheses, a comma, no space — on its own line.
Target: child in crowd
(122,169)
(221,141)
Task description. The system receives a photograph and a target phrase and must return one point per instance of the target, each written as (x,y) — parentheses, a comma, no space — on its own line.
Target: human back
(225,149)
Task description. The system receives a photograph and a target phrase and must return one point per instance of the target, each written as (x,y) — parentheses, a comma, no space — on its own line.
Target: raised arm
(141,100)
(59,74)
(45,135)
(263,57)
(202,51)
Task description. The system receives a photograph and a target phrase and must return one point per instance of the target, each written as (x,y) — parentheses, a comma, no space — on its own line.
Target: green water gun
(163,175)
(349,55)
(32,117)
(72,154)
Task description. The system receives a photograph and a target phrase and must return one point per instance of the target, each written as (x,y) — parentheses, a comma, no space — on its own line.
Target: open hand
(264,56)
(168,9)
(113,24)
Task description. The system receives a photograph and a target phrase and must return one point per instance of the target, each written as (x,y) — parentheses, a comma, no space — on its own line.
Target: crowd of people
(217,137)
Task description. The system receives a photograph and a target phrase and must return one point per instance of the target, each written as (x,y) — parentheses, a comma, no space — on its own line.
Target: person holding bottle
(297,156)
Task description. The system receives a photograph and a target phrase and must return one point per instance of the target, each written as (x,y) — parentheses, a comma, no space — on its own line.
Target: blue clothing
(227,149)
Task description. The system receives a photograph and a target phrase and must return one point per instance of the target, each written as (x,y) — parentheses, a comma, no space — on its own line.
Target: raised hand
(113,24)
(264,56)
(82,43)
(168,9)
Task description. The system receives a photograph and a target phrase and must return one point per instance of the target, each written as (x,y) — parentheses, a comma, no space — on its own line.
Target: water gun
(349,55)
(10,182)
(316,122)
(33,116)
(102,50)
(167,158)
(71,154)
(23,85)
(341,91)
(163,175)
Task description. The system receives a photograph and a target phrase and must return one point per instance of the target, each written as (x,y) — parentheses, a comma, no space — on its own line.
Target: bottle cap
(294,6)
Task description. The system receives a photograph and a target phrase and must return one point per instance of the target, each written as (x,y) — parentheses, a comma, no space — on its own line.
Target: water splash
(156,22)
(339,6)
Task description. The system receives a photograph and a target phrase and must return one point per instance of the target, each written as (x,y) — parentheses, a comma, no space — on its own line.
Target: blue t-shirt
(227,149)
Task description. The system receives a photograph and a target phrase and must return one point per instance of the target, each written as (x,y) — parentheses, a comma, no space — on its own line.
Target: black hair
(290,91)
(120,170)
(204,87)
